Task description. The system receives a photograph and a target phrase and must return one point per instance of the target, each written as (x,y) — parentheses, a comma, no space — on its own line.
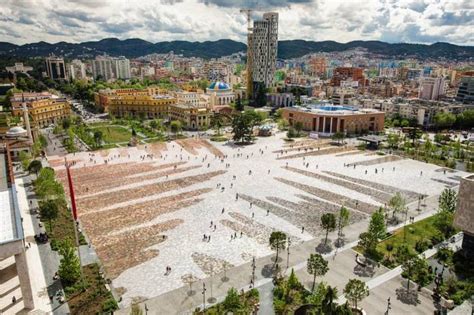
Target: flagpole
(74,215)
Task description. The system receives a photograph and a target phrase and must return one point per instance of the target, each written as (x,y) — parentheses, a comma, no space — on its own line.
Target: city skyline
(53,21)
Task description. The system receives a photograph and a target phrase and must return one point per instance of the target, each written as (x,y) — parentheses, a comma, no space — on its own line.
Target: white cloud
(423,21)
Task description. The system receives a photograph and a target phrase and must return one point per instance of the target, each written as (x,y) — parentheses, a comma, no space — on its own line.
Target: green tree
(444,222)
(368,242)
(328,305)
(317,266)
(277,242)
(25,159)
(414,134)
(217,122)
(298,128)
(397,203)
(355,291)
(35,166)
(417,270)
(66,123)
(176,127)
(328,223)
(232,301)
(293,282)
(243,124)
(444,120)
(342,221)
(238,104)
(69,266)
(261,97)
(338,136)
(393,140)
(466,119)
(447,200)
(377,225)
(49,211)
(98,136)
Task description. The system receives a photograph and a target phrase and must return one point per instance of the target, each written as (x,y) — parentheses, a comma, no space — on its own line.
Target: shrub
(109,306)
(422,245)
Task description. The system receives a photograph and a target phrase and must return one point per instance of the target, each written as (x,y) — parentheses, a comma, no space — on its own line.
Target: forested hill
(135,47)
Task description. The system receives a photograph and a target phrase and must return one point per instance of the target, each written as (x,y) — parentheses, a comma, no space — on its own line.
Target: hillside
(135,47)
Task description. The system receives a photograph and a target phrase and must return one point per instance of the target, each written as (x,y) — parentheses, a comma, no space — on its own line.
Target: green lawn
(423,229)
(114,134)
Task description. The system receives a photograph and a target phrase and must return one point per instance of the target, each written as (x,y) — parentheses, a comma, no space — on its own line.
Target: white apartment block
(76,70)
(432,88)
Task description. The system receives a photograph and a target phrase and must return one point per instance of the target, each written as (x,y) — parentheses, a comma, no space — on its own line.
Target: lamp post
(254,266)
(288,254)
(203,297)
(211,299)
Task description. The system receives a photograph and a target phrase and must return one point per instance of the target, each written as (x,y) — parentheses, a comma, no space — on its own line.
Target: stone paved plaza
(149,207)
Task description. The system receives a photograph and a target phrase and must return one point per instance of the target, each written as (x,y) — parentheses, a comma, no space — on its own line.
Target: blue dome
(218,86)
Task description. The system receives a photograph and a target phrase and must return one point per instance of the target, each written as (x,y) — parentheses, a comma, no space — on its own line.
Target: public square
(204,209)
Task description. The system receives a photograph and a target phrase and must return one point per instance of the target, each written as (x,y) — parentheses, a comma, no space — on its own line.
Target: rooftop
(333,110)
(10,225)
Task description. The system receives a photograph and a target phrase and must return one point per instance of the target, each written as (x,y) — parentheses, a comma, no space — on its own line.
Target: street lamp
(254,266)
(203,297)
(211,298)
(288,254)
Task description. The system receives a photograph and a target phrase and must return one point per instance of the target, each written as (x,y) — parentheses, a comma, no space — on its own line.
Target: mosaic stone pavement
(148,207)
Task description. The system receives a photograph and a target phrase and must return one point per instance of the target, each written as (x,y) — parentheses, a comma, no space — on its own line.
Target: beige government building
(329,119)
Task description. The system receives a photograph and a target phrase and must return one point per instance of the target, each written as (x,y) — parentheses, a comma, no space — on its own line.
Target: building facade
(327,120)
(264,49)
(432,88)
(76,70)
(219,93)
(44,109)
(465,93)
(55,68)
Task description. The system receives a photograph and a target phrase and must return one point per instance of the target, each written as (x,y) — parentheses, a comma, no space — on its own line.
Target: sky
(411,21)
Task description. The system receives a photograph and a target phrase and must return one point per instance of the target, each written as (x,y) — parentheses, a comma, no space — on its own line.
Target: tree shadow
(279,260)
(407,297)
(268,271)
(339,242)
(324,248)
(367,271)
(191,292)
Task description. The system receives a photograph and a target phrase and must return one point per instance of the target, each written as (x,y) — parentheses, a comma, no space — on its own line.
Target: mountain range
(132,48)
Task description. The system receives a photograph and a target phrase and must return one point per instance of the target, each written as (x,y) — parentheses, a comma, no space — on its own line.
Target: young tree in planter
(342,221)
(369,243)
(136,310)
(35,166)
(447,200)
(328,223)
(298,128)
(328,305)
(25,159)
(98,136)
(355,291)
(49,211)
(277,242)
(176,127)
(69,267)
(217,123)
(397,203)
(232,301)
(377,225)
(317,266)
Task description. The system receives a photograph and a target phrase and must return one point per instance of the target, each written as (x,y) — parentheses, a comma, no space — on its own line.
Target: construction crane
(248,13)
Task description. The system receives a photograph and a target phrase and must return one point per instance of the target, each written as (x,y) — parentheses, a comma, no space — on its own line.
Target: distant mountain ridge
(287,49)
